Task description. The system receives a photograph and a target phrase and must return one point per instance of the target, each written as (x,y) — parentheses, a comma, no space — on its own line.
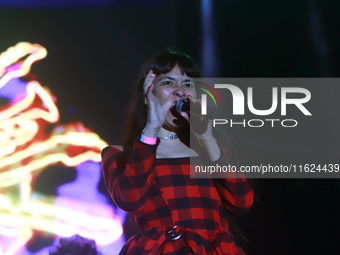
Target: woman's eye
(167,83)
(188,85)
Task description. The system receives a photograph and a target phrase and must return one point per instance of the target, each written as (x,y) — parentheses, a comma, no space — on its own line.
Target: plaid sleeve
(128,180)
(234,189)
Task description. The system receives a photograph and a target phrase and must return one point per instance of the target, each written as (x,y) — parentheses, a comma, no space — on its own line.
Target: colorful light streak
(25,151)
(35,52)
(18,127)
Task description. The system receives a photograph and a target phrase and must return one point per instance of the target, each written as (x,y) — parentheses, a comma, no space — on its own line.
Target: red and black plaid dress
(176,214)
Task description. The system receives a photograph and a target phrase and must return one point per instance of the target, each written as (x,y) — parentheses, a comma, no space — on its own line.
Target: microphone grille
(179,105)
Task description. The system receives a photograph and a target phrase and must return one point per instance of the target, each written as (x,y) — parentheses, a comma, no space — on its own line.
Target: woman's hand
(156,112)
(201,127)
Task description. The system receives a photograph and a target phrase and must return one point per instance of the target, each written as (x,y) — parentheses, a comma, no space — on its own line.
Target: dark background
(96,49)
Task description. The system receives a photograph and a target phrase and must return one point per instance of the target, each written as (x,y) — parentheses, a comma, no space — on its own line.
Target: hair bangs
(165,61)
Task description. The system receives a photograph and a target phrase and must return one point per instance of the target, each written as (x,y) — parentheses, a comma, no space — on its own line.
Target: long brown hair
(137,111)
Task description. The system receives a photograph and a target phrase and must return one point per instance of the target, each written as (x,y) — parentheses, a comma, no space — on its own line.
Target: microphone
(183,105)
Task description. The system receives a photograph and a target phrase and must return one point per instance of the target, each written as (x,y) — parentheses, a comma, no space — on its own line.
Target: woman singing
(149,174)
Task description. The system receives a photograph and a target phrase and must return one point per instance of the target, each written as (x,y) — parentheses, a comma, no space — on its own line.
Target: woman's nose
(180,92)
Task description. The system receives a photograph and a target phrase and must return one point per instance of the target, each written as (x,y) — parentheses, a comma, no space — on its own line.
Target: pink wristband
(148,140)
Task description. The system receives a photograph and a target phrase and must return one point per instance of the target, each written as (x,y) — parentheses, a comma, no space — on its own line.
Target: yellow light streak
(90,140)
(64,222)
(13,54)
(24,235)
(9,231)
(23,156)
(19,127)
(11,177)
(33,88)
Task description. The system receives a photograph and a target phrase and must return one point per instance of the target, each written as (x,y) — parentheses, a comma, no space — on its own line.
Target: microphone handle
(183,105)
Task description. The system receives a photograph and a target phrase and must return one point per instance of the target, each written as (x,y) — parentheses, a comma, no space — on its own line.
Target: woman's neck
(172,148)
(165,133)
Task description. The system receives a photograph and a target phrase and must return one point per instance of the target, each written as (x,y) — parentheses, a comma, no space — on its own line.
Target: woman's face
(175,85)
